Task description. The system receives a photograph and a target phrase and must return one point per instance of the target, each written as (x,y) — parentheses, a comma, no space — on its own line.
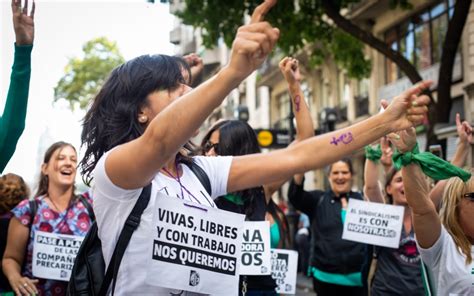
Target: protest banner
(54,254)
(194,247)
(255,258)
(374,223)
(284,269)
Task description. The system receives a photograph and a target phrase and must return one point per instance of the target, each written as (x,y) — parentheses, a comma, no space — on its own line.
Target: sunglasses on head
(469,196)
(209,145)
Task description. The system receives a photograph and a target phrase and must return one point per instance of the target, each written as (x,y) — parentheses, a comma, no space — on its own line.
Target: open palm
(23,23)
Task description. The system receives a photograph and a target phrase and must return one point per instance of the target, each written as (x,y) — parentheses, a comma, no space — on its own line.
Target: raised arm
(196,65)
(290,69)
(372,189)
(251,170)
(12,122)
(425,218)
(464,131)
(304,123)
(134,164)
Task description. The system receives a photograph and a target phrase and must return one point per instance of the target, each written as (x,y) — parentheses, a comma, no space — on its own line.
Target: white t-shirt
(112,205)
(448,267)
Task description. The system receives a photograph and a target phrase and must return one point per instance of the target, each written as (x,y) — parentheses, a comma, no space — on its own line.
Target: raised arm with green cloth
(431,165)
(12,121)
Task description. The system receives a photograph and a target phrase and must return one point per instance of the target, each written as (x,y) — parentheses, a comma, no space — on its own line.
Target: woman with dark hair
(145,113)
(12,191)
(234,138)
(58,211)
(336,265)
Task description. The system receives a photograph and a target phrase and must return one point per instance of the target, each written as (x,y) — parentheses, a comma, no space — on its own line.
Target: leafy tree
(84,76)
(320,23)
(300,26)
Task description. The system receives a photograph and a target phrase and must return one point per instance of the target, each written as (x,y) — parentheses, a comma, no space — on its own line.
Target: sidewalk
(304,285)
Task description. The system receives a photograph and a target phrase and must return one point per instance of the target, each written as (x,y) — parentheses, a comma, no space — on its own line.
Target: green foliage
(299,26)
(84,76)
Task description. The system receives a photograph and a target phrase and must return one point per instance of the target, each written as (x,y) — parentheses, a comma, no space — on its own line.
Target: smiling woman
(55,210)
(333,273)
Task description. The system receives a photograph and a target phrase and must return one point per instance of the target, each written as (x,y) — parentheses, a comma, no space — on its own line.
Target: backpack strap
(88,206)
(201,175)
(33,210)
(131,224)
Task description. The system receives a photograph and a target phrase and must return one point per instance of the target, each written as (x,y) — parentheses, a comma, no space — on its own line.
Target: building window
(283,101)
(420,38)
(344,95)
(361,97)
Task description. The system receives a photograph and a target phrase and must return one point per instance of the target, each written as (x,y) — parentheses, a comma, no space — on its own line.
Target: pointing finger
(260,11)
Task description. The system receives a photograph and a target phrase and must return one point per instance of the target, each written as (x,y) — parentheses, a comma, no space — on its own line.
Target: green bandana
(431,165)
(373,154)
(234,199)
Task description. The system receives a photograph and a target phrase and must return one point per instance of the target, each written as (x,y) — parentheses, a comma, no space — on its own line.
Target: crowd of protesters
(137,142)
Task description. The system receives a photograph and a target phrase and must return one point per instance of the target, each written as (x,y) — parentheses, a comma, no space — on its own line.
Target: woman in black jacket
(336,265)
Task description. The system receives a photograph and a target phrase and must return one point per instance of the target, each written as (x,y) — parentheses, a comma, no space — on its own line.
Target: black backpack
(88,276)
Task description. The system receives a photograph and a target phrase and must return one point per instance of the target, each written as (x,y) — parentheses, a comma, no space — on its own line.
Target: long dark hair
(113,116)
(236,138)
(43,183)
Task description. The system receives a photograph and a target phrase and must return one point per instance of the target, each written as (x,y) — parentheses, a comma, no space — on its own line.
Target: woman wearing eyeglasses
(444,241)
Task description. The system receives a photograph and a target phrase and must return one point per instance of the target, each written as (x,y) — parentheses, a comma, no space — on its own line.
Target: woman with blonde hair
(444,241)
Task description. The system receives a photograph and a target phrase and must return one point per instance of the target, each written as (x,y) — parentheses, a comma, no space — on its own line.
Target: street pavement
(304,285)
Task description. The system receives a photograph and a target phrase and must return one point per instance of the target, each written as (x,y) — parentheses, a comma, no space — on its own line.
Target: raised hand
(290,69)
(464,130)
(253,42)
(195,63)
(404,140)
(409,108)
(23,24)
(387,152)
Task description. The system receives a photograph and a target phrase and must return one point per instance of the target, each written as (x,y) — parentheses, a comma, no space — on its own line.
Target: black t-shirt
(329,252)
(398,271)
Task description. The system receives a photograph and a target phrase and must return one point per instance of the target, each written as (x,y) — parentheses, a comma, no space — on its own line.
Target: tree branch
(448,56)
(333,13)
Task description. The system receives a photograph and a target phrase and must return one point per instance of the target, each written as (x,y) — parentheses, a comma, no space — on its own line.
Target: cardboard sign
(194,247)
(255,258)
(284,269)
(54,255)
(374,223)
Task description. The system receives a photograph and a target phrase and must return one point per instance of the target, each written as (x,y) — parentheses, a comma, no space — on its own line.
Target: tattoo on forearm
(345,138)
(297,103)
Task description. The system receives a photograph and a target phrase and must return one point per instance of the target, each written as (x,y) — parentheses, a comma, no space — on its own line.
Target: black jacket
(329,252)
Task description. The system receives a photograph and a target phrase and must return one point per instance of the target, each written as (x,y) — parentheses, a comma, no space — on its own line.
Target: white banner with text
(256,249)
(194,247)
(284,269)
(373,223)
(54,255)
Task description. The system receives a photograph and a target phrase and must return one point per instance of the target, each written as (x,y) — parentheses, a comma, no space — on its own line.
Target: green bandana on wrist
(431,165)
(373,154)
